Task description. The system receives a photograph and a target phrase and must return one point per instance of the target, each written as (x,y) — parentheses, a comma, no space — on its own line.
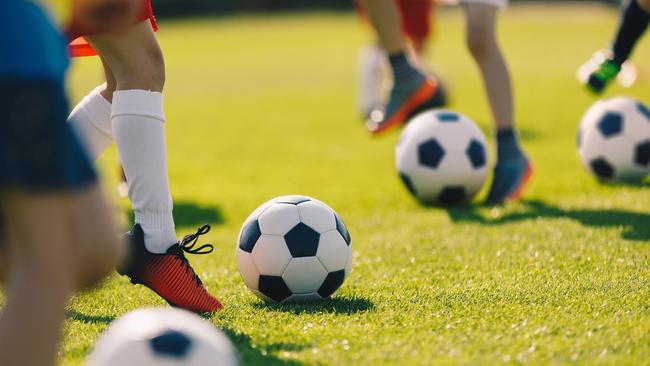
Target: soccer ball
(157,337)
(441,158)
(294,248)
(614,140)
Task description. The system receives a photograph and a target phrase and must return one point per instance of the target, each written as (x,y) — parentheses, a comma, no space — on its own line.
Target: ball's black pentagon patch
(293,200)
(343,230)
(407,182)
(476,153)
(644,110)
(430,153)
(452,196)
(602,168)
(302,241)
(274,288)
(642,154)
(171,344)
(249,236)
(448,117)
(610,124)
(332,282)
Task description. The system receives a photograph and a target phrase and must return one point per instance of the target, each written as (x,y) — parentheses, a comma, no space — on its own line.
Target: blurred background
(175,8)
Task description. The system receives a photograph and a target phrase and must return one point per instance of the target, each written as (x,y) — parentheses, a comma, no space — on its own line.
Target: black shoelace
(187,245)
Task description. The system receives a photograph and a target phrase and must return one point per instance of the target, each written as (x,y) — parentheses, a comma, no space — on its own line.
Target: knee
(480,42)
(147,71)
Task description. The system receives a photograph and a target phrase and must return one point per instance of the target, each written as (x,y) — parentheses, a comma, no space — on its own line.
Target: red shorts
(416,18)
(80,47)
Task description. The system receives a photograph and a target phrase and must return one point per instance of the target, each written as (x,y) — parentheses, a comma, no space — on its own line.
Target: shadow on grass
(89,319)
(337,305)
(636,225)
(190,214)
(252,354)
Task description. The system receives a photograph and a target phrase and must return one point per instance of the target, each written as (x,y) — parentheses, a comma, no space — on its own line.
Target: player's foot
(170,275)
(605,73)
(598,71)
(405,98)
(510,178)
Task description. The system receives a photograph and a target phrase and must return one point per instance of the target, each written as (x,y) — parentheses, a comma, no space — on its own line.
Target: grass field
(263,106)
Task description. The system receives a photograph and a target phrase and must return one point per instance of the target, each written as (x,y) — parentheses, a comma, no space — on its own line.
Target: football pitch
(261,106)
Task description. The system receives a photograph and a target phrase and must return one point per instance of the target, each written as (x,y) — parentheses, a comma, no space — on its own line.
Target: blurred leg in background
(411,88)
(512,169)
(604,67)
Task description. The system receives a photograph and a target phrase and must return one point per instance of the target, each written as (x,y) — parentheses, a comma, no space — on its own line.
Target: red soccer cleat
(404,101)
(170,275)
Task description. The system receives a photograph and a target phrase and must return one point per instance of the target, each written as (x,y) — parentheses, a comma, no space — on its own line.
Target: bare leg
(132,59)
(482,43)
(58,242)
(384,16)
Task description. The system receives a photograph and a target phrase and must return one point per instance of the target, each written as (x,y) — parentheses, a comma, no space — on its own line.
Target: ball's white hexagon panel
(271,255)
(279,219)
(332,251)
(247,269)
(317,216)
(304,275)
(348,265)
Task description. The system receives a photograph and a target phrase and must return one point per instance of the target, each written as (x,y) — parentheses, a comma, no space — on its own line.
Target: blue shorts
(38,149)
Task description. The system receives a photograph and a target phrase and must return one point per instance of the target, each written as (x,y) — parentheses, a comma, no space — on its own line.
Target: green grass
(263,106)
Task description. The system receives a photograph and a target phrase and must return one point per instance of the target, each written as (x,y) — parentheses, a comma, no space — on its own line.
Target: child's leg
(411,89)
(384,16)
(634,21)
(635,16)
(136,74)
(512,170)
(136,62)
(58,242)
(482,44)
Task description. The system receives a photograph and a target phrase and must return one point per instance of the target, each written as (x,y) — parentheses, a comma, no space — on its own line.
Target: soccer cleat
(599,71)
(170,275)
(404,100)
(510,178)
(605,73)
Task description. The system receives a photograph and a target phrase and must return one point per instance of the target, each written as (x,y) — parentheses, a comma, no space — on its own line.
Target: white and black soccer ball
(162,337)
(441,158)
(614,139)
(294,248)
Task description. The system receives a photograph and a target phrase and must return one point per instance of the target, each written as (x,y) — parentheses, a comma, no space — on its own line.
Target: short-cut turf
(263,106)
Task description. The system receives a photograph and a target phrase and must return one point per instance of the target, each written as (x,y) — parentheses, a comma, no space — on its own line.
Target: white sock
(91,119)
(138,127)
(371,62)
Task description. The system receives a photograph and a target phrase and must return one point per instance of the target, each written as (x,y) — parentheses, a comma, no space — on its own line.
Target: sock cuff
(158,228)
(137,102)
(399,57)
(506,133)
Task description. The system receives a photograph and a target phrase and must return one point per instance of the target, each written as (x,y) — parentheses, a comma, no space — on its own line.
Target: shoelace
(186,245)
(189,241)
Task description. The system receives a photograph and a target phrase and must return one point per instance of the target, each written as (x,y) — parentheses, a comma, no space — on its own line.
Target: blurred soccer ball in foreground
(162,337)
(441,158)
(294,248)
(614,139)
